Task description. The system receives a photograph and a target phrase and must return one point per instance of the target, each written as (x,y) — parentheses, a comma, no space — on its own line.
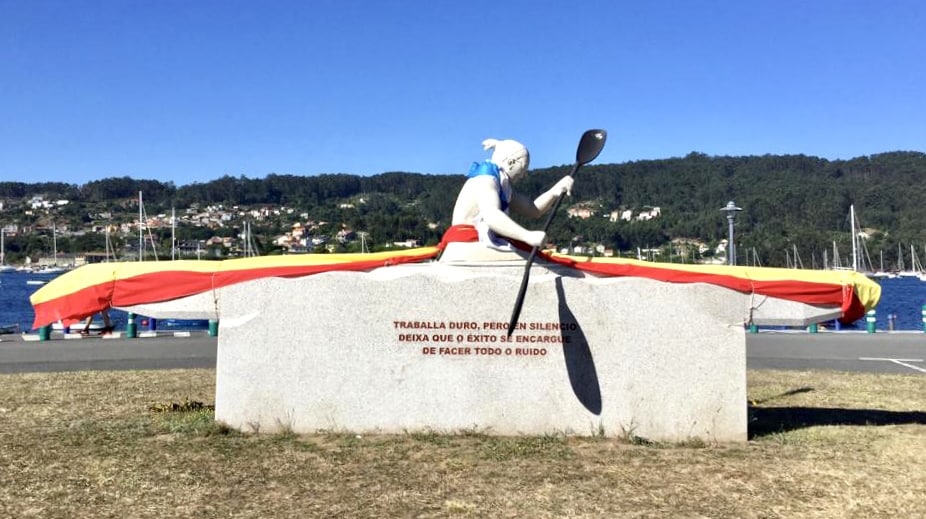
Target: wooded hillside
(792,202)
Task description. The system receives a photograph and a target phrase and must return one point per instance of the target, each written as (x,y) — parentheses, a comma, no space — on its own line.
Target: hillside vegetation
(791,203)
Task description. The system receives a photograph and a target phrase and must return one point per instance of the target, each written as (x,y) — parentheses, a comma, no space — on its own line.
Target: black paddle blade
(590,146)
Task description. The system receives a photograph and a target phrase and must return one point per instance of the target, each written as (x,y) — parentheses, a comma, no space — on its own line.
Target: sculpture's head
(510,156)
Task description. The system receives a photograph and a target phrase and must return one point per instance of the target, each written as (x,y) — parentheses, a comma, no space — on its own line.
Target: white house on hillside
(649,214)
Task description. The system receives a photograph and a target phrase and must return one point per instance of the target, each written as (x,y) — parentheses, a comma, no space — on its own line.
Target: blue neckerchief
(491,169)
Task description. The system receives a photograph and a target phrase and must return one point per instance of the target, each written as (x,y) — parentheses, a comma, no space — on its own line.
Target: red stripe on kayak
(167,285)
(800,291)
(793,290)
(74,306)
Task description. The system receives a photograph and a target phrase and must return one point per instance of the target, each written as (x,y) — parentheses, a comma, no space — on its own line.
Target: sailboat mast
(141,233)
(108,245)
(247,240)
(54,241)
(173,233)
(854,238)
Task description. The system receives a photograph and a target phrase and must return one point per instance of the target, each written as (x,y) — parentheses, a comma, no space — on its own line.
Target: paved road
(900,352)
(844,351)
(95,353)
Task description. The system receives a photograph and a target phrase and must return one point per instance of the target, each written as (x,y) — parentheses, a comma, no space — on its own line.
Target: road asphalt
(887,352)
(165,351)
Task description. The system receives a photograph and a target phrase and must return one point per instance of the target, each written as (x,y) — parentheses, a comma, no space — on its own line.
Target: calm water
(903,297)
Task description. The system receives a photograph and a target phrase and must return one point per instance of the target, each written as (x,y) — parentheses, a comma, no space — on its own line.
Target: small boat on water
(8,329)
(51,269)
(883,275)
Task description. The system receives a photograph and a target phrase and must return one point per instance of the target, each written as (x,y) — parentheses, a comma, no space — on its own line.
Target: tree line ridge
(790,203)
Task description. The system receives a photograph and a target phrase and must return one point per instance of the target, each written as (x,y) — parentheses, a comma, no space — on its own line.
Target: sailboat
(173,234)
(861,259)
(917,266)
(904,272)
(3,266)
(110,250)
(53,269)
(853,263)
(837,264)
(250,247)
(363,242)
(142,227)
(881,273)
(861,262)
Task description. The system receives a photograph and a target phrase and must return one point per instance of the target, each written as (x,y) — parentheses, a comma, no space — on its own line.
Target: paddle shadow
(790,392)
(764,421)
(580,366)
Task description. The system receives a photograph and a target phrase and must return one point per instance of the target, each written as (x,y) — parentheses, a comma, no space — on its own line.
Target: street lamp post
(731,211)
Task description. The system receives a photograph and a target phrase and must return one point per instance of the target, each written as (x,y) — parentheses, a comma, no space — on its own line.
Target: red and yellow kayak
(89,289)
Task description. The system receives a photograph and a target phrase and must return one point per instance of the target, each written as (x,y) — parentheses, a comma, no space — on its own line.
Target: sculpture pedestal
(424,348)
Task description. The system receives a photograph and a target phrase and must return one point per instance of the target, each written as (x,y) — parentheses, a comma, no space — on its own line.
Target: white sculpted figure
(487,196)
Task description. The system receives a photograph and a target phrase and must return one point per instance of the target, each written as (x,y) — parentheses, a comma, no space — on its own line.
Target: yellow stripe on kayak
(99,273)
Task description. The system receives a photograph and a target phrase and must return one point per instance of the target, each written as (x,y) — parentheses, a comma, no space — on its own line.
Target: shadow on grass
(771,420)
(782,395)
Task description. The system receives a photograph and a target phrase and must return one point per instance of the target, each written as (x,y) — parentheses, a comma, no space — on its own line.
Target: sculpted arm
(534,209)
(479,198)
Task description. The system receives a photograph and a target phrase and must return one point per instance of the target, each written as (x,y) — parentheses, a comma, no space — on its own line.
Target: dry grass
(107,444)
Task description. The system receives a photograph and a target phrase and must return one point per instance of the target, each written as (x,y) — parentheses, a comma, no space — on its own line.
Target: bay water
(901,305)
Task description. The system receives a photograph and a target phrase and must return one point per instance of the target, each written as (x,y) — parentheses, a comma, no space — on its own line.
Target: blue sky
(188,91)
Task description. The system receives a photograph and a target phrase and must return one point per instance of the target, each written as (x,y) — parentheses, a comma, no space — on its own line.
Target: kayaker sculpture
(487,196)
(395,341)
